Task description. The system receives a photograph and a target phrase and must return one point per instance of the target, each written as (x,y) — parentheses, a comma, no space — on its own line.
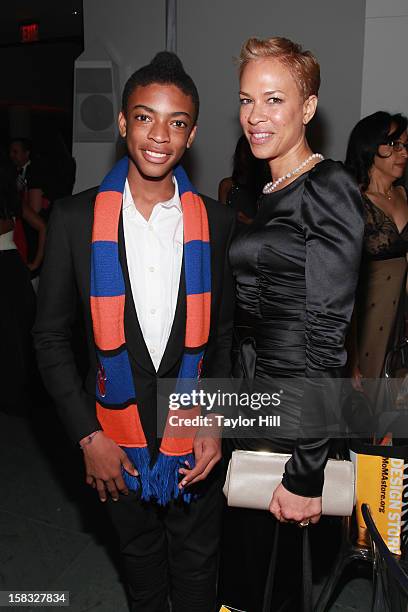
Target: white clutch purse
(253,476)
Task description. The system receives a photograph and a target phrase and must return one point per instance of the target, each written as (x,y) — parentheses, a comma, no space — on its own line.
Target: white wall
(131,32)
(210,34)
(385,82)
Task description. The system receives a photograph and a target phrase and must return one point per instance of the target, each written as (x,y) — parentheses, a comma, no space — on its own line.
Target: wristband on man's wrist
(88,439)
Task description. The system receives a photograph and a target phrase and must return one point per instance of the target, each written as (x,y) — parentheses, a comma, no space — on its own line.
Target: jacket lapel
(175,343)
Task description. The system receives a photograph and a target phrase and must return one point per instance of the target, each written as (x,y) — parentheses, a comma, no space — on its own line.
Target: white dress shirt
(21,177)
(154,252)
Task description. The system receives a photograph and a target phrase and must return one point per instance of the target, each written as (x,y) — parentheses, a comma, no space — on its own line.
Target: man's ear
(309,109)
(191,137)
(122,124)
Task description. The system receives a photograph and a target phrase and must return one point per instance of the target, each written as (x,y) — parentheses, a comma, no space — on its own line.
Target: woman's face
(273,113)
(393,165)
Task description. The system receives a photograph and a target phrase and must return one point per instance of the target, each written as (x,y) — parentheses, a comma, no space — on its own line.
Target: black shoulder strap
(267,602)
(307,572)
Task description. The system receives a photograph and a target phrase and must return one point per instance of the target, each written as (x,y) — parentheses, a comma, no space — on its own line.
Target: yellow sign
(380,484)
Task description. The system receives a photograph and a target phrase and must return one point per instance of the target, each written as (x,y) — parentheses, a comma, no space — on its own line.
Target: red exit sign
(29,32)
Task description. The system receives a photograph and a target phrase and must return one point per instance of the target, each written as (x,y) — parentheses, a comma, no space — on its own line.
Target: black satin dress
(296,269)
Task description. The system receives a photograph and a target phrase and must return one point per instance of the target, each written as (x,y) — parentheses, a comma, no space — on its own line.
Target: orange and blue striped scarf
(116,405)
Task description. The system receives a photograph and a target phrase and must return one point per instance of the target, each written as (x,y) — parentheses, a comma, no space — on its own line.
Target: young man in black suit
(166,550)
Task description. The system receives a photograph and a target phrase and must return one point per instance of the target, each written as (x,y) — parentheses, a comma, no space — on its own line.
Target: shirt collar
(23,169)
(173,202)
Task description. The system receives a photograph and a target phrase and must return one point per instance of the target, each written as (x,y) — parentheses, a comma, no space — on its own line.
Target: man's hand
(287,506)
(103,465)
(207,452)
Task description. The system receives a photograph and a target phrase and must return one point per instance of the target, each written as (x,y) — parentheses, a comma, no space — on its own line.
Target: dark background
(36,85)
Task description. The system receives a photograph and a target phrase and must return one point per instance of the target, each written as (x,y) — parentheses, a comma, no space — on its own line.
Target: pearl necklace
(389,193)
(269,187)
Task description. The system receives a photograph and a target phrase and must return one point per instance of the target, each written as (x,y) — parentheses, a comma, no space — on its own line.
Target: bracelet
(88,439)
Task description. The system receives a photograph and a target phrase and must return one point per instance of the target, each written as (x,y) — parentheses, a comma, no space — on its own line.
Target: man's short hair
(25,143)
(165,68)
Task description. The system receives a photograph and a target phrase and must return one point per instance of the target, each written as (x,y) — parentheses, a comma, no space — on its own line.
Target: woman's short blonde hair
(303,64)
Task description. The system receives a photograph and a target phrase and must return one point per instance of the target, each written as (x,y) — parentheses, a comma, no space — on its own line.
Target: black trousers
(17,312)
(170,552)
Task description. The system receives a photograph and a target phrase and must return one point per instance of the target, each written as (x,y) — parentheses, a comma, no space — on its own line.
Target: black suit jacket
(64,290)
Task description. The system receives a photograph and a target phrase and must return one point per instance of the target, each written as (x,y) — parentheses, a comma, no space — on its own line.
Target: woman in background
(377,156)
(296,268)
(242,190)
(17,303)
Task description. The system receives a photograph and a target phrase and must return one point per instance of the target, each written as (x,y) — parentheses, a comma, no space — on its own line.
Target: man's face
(158,124)
(18,154)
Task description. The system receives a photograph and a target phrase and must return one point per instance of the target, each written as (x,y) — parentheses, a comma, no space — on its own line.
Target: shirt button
(151,269)
(152,351)
(150,228)
(152,311)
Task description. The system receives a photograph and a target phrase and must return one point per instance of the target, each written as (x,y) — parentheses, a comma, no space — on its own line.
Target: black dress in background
(296,269)
(17,313)
(381,296)
(243,199)
(35,179)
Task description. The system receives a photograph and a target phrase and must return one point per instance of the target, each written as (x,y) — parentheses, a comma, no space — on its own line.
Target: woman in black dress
(377,156)
(296,270)
(17,302)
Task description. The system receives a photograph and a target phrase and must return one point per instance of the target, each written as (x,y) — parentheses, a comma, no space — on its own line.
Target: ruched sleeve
(332,218)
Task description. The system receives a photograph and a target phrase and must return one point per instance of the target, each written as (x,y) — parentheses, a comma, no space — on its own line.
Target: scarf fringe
(161,481)
(140,457)
(165,478)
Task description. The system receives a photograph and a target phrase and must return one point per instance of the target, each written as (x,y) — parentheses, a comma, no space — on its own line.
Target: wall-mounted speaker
(95,101)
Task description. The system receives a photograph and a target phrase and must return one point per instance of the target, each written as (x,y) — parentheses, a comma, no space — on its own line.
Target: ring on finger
(304,523)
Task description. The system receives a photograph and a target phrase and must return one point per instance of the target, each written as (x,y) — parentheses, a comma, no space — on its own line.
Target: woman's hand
(288,507)
(356,378)
(34,265)
(244,219)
